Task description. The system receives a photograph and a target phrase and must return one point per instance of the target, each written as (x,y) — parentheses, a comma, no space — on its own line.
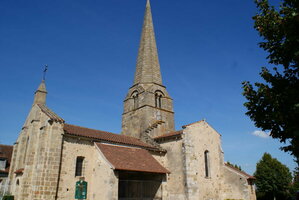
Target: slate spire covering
(148,67)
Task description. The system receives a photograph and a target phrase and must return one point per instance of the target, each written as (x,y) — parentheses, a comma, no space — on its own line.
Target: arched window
(207,164)
(158,99)
(79,166)
(135,99)
(18,182)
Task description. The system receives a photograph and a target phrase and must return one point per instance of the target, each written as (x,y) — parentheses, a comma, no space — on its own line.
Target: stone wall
(21,145)
(235,186)
(101,179)
(185,159)
(198,138)
(140,110)
(48,157)
(136,122)
(4,184)
(221,183)
(173,161)
(37,152)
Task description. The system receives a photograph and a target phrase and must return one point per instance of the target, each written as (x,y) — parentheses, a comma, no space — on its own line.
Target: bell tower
(148,107)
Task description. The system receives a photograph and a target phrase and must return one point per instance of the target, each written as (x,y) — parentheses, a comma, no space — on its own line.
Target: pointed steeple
(148,108)
(40,94)
(148,67)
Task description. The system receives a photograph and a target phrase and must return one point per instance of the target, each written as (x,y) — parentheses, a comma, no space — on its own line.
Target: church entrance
(139,186)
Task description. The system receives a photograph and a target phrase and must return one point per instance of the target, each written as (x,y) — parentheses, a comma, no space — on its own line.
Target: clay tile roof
(131,159)
(241,172)
(184,126)
(171,134)
(105,136)
(53,116)
(6,153)
(19,171)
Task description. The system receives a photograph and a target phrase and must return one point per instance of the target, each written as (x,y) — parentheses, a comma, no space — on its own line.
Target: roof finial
(45,72)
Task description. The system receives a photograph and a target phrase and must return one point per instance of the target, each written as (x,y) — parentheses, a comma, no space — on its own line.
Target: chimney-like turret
(40,94)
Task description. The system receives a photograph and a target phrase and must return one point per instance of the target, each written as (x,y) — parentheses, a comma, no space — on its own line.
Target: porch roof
(131,159)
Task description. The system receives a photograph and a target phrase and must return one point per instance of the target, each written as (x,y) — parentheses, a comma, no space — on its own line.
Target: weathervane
(45,71)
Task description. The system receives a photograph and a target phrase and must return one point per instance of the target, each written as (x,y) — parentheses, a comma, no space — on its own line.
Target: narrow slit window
(207,165)
(26,149)
(79,166)
(135,101)
(160,101)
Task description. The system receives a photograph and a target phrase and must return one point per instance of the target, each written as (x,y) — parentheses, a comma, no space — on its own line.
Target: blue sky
(206,49)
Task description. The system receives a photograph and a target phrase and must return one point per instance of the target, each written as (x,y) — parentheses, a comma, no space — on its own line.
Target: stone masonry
(147,100)
(149,159)
(37,152)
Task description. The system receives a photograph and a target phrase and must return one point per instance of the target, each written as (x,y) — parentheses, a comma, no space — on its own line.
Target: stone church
(148,160)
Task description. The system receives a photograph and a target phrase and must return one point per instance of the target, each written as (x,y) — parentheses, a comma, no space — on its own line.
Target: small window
(18,182)
(79,166)
(2,163)
(26,149)
(135,99)
(207,165)
(158,99)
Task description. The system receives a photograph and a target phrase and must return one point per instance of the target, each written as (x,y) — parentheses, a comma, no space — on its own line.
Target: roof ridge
(169,134)
(240,171)
(6,145)
(118,134)
(184,126)
(106,136)
(120,146)
(91,128)
(51,114)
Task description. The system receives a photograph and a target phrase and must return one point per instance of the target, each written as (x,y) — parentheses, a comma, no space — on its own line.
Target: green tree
(273,179)
(294,188)
(274,104)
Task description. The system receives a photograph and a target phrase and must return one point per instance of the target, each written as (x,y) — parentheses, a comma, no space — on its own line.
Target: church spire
(148,67)
(41,92)
(148,108)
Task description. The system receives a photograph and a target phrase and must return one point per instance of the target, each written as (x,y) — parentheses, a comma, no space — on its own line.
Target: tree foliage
(294,189)
(273,179)
(274,104)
